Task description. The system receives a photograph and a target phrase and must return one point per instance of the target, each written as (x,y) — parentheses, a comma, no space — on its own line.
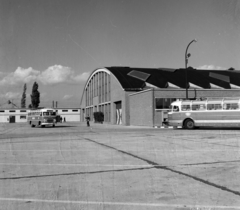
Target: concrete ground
(113,167)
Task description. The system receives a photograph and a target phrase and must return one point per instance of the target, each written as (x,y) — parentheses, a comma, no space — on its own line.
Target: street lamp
(187,55)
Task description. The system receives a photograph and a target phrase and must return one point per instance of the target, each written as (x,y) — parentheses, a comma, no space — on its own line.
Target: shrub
(98,117)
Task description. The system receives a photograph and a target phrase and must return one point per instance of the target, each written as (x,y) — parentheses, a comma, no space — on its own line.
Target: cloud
(19,76)
(211,67)
(81,77)
(66,97)
(11,95)
(56,74)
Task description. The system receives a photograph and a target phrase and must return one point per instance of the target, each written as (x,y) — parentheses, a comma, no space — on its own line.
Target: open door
(118,113)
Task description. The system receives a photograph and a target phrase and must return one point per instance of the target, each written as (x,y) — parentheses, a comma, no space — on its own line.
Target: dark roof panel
(135,78)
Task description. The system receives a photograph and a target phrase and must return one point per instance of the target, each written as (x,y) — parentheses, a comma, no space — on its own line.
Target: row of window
(13,110)
(64,110)
(74,110)
(199,107)
(98,88)
(105,108)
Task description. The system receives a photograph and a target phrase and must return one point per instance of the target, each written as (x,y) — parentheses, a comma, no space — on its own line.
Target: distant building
(15,115)
(141,96)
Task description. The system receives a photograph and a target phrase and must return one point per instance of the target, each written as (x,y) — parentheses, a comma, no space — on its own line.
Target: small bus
(42,117)
(222,112)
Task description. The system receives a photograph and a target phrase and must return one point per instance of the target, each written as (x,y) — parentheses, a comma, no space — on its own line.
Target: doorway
(118,112)
(12,119)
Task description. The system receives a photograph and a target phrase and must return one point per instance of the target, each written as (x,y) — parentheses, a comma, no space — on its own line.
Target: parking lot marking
(117,203)
(75,164)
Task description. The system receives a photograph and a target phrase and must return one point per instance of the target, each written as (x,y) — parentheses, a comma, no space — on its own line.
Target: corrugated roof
(162,77)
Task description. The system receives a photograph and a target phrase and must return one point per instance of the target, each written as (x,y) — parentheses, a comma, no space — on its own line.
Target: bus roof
(42,110)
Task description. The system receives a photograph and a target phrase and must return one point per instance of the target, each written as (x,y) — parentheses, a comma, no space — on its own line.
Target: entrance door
(118,113)
(11,119)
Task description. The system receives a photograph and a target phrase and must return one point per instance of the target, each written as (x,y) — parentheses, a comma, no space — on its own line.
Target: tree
(231,68)
(23,100)
(35,96)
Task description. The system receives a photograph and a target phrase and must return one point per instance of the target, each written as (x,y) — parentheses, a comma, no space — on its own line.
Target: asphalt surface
(108,167)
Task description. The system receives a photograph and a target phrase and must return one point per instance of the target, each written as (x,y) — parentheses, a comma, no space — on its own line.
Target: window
(2,110)
(23,117)
(163,103)
(175,108)
(198,107)
(75,110)
(139,75)
(64,110)
(214,107)
(186,107)
(12,111)
(22,110)
(230,106)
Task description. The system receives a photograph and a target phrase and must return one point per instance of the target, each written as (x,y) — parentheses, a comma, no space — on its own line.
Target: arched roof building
(139,96)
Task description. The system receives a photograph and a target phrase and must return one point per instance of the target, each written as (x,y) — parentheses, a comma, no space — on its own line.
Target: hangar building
(141,96)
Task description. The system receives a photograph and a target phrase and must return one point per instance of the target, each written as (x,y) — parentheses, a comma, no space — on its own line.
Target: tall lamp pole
(187,55)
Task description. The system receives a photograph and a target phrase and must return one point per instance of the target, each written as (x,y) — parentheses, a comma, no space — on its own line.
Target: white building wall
(70,115)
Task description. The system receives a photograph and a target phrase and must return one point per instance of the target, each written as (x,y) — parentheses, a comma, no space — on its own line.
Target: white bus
(42,117)
(224,112)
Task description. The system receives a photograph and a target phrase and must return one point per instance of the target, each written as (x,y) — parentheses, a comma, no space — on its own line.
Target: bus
(222,112)
(42,117)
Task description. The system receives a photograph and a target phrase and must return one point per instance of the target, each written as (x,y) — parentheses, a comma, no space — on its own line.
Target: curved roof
(140,78)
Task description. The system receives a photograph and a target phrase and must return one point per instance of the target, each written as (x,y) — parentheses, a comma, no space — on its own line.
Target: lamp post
(187,55)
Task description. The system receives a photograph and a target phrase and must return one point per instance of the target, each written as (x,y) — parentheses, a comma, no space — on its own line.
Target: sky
(58,43)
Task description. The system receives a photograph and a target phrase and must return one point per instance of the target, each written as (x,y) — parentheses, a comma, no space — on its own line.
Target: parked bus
(42,117)
(224,112)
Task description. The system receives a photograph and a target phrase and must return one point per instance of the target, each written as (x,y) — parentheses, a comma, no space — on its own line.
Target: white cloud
(20,76)
(56,74)
(81,77)
(211,67)
(11,95)
(66,97)
(52,75)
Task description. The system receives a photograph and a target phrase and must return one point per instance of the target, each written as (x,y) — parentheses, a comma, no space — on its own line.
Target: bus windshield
(49,113)
(174,108)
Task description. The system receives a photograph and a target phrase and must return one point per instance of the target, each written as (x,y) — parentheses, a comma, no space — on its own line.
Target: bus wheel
(32,125)
(53,125)
(189,124)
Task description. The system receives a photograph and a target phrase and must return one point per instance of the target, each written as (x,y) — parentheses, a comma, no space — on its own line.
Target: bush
(98,117)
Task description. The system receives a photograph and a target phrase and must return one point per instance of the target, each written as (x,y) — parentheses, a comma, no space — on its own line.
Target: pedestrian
(88,121)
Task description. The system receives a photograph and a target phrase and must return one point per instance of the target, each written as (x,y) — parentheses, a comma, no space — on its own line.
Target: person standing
(88,121)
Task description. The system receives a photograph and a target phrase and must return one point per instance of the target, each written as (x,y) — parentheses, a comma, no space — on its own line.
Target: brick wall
(141,108)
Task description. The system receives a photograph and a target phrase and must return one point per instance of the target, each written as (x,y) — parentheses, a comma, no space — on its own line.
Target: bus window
(195,107)
(175,109)
(186,107)
(218,106)
(198,107)
(45,113)
(214,106)
(230,106)
(210,106)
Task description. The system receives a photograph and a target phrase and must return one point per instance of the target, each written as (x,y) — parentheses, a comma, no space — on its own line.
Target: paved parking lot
(111,167)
